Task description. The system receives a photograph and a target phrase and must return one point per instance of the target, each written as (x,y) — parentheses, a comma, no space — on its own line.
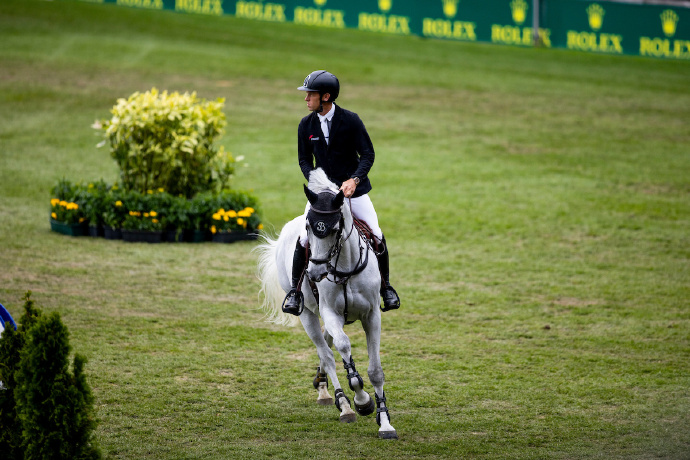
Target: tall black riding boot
(294,301)
(391,301)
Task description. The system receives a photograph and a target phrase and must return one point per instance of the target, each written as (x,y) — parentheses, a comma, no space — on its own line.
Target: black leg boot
(391,301)
(294,301)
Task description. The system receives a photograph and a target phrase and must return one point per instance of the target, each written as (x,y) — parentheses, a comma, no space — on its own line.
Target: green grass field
(537,205)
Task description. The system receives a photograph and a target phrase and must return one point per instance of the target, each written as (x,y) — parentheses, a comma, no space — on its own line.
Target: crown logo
(596,16)
(385,5)
(669,19)
(519,8)
(450,8)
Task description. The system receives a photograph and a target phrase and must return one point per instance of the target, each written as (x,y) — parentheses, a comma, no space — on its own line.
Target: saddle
(365,231)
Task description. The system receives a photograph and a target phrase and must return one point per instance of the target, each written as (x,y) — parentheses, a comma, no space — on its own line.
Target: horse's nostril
(316,275)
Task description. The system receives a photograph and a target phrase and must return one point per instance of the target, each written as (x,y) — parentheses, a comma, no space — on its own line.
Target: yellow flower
(150,192)
(53,215)
(260,226)
(146,214)
(213,229)
(244,213)
(216,216)
(226,218)
(231,213)
(82,219)
(63,203)
(240,221)
(161,189)
(153,214)
(132,213)
(250,210)
(54,201)
(118,203)
(155,221)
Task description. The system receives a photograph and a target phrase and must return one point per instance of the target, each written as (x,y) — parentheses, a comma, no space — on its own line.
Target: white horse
(343,268)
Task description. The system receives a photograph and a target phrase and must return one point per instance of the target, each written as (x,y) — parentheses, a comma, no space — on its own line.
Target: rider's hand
(348,187)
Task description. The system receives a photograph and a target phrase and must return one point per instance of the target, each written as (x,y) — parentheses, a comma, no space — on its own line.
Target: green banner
(618,28)
(598,27)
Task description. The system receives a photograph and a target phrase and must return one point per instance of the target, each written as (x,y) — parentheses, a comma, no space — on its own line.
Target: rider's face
(313,100)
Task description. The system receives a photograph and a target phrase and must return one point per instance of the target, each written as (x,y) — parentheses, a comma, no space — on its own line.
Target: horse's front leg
(311,324)
(333,324)
(372,329)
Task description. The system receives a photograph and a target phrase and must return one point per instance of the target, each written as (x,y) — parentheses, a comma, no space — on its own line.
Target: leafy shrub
(162,140)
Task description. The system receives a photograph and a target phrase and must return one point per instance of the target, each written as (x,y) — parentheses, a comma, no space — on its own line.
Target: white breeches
(362,208)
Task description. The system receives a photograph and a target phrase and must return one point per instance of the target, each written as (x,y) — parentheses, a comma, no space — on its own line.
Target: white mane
(319,182)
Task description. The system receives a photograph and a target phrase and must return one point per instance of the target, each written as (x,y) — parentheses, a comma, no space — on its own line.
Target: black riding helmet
(323,82)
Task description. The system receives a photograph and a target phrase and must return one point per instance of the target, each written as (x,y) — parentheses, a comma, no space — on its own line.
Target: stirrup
(394,306)
(293,309)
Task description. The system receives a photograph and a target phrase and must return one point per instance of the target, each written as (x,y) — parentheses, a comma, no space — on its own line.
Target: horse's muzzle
(317,273)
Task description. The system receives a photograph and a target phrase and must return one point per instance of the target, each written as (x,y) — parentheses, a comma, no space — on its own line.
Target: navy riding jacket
(349,152)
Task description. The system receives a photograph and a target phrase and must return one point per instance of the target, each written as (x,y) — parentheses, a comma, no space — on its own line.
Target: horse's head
(324,226)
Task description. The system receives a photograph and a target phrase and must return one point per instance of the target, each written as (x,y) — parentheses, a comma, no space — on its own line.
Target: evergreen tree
(11,344)
(55,406)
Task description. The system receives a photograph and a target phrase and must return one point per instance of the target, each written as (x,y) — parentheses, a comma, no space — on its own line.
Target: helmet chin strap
(321,101)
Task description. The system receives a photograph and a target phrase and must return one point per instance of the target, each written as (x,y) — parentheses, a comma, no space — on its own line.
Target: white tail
(271,291)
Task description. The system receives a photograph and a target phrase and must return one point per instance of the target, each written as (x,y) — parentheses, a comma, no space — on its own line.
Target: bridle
(341,277)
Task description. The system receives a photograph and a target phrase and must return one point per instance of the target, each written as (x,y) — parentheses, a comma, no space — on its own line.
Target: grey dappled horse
(343,268)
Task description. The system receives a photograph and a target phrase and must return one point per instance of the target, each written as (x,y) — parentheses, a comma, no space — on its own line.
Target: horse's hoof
(365,409)
(325,401)
(388,434)
(348,418)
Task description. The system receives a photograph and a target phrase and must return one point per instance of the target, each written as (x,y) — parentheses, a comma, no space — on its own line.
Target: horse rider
(337,139)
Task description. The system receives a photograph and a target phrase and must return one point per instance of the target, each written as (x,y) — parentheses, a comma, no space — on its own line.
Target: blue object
(5,317)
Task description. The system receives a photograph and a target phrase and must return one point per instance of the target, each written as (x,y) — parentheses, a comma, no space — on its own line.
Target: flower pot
(174,236)
(195,236)
(112,233)
(231,237)
(67,229)
(96,231)
(143,236)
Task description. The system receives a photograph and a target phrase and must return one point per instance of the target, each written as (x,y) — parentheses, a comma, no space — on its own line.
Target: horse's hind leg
(372,328)
(327,363)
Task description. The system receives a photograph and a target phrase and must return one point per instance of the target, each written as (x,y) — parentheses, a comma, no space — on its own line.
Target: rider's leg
(391,300)
(363,209)
(294,301)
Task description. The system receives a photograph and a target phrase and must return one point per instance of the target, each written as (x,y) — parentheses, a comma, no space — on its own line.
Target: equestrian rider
(339,142)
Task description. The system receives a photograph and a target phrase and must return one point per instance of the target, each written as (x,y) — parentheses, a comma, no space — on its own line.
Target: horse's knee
(376,376)
(341,343)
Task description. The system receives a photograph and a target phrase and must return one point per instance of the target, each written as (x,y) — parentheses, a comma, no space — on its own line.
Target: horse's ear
(338,200)
(311,196)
